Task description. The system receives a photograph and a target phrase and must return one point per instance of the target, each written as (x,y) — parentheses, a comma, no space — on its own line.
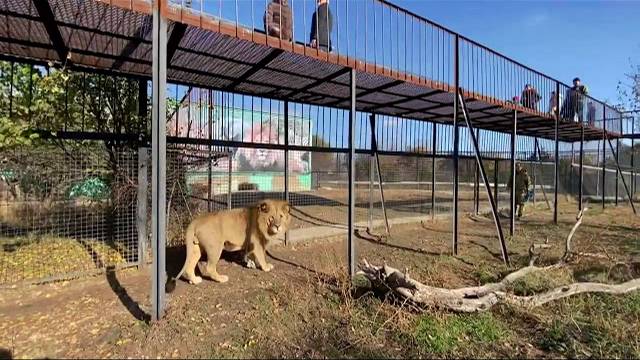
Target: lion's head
(273,216)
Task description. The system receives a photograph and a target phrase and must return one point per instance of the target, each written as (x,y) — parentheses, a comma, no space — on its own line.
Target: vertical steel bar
(476,185)
(533,170)
(581,171)
(512,179)
(159,158)
(286,161)
(456,140)
(604,154)
(230,179)
(352,176)
(618,160)
(141,208)
(210,135)
(495,181)
(433,170)
(556,175)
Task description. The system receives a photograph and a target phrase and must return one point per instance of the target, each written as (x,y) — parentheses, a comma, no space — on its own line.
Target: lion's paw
(221,278)
(267,267)
(196,280)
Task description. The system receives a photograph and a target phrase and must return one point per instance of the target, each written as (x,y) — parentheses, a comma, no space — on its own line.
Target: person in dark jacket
(278,20)
(530,97)
(591,114)
(573,105)
(321,26)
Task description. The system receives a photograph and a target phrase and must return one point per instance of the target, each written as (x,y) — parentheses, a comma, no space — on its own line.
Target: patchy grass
(454,334)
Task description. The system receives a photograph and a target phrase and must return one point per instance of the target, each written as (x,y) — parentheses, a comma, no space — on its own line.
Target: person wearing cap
(573,106)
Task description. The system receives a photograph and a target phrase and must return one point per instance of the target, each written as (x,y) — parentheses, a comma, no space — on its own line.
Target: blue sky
(590,39)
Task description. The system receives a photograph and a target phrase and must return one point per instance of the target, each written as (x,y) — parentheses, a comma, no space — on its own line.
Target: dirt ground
(303,309)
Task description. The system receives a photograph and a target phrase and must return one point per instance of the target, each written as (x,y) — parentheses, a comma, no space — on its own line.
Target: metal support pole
(633,167)
(371,175)
(604,155)
(286,162)
(159,161)
(374,148)
(495,181)
(556,175)
(433,171)
(230,180)
(617,177)
(476,184)
(210,160)
(352,177)
(533,168)
(624,182)
(539,157)
(456,141)
(512,179)
(494,208)
(141,208)
(581,172)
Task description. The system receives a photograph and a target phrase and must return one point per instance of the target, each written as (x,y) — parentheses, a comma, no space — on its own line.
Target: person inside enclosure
(321,26)
(591,114)
(522,187)
(573,105)
(530,97)
(278,20)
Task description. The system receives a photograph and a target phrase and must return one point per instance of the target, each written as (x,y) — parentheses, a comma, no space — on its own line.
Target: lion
(249,229)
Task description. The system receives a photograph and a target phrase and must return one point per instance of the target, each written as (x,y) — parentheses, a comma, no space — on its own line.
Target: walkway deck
(115,36)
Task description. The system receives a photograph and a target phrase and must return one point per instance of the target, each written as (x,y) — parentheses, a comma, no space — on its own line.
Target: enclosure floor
(101,316)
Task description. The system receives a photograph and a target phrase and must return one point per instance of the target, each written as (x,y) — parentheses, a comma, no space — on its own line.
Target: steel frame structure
(371,87)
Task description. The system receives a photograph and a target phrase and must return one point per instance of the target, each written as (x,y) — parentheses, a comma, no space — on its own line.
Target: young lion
(249,229)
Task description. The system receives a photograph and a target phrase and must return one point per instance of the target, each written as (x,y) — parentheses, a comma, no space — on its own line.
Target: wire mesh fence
(66,210)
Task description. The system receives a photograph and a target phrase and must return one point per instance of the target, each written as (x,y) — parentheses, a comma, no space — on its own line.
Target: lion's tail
(190,241)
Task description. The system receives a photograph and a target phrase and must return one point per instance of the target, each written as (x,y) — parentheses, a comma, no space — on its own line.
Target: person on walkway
(573,105)
(553,104)
(591,114)
(278,20)
(522,188)
(530,97)
(321,26)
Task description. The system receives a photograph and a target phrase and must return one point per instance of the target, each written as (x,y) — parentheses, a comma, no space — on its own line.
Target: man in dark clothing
(530,97)
(278,19)
(573,106)
(321,25)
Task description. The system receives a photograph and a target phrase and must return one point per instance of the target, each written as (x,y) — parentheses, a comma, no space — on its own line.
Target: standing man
(321,26)
(573,106)
(278,20)
(522,188)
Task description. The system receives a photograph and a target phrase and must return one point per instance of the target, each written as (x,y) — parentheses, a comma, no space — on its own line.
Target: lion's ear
(264,207)
(287,208)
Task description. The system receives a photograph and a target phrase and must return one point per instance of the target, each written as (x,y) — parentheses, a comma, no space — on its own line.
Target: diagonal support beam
(485,180)
(179,29)
(257,67)
(624,182)
(138,38)
(374,150)
(364,93)
(325,79)
(48,20)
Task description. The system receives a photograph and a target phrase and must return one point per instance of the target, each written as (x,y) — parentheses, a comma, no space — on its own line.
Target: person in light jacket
(278,19)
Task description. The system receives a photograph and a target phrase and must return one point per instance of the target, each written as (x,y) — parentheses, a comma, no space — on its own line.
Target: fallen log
(481,298)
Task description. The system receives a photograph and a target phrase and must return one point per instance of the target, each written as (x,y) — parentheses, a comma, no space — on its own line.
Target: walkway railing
(382,34)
